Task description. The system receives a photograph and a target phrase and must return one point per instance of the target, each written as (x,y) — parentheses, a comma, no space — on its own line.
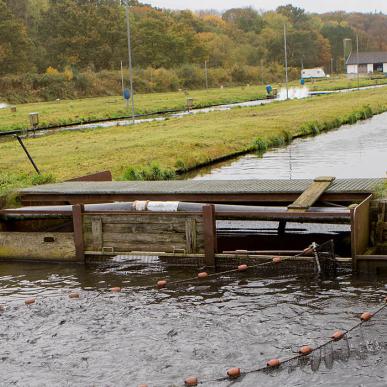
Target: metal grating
(202,187)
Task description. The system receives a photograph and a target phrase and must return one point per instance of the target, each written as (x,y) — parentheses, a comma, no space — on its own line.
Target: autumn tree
(15,47)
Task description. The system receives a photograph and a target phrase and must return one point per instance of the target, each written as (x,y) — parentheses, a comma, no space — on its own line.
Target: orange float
(203,274)
(30,301)
(277,259)
(305,350)
(242,267)
(142,385)
(337,336)
(274,363)
(366,316)
(161,284)
(116,289)
(74,295)
(191,381)
(234,372)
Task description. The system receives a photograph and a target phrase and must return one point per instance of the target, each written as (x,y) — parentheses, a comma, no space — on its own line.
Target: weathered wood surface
(37,246)
(99,176)
(311,194)
(78,231)
(118,233)
(210,241)
(360,227)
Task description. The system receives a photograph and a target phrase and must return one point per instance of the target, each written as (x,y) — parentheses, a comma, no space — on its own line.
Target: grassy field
(70,111)
(157,149)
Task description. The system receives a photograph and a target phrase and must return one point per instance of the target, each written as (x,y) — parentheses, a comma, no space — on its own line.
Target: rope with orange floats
(161,284)
(304,351)
(234,373)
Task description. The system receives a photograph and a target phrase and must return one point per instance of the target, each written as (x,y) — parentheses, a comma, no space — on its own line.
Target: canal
(358,150)
(238,320)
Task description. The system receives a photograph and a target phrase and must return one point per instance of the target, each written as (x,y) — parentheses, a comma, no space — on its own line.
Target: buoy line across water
(236,372)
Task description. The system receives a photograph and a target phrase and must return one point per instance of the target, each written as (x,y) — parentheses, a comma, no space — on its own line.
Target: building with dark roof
(367,62)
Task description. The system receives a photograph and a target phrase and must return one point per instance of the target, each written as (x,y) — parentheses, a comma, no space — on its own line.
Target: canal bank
(160,150)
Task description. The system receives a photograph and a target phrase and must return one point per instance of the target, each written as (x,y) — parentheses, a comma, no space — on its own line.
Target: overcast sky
(309,5)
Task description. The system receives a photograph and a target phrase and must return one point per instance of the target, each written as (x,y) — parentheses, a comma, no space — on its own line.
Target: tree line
(90,35)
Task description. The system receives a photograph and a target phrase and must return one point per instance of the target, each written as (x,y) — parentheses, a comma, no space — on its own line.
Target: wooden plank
(142,228)
(209,229)
(78,231)
(360,229)
(380,225)
(99,176)
(37,246)
(96,231)
(191,236)
(111,237)
(46,198)
(311,194)
(141,218)
(164,247)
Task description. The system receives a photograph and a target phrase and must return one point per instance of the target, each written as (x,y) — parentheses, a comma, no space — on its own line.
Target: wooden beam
(99,176)
(209,229)
(311,194)
(360,229)
(78,231)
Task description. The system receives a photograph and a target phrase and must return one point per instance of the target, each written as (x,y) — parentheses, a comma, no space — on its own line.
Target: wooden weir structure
(68,229)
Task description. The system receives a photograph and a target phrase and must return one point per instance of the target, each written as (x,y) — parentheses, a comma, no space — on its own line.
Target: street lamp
(130,58)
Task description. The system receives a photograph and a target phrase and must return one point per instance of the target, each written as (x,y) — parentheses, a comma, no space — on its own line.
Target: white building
(367,62)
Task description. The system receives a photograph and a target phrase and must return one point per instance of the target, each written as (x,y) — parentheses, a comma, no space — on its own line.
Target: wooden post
(210,243)
(78,231)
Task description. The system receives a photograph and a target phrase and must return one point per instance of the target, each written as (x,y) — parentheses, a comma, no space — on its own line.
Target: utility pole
(331,66)
(206,74)
(130,58)
(262,72)
(122,79)
(357,60)
(286,64)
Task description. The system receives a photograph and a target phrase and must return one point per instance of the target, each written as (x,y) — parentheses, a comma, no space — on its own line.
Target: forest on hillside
(65,38)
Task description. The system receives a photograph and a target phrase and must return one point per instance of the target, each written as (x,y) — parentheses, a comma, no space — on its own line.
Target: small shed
(313,73)
(367,62)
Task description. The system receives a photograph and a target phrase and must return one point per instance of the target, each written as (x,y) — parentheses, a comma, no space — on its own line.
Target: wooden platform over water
(200,191)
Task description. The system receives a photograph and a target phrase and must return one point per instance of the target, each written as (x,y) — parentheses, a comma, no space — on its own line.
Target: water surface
(353,151)
(161,337)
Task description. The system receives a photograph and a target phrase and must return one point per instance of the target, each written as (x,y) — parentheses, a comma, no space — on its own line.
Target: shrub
(260,145)
(151,172)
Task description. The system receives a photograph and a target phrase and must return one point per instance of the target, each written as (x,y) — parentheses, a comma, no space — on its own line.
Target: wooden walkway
(210,191)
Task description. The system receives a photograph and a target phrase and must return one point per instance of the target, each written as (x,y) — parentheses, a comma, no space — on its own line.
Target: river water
(162,337)
(358,150)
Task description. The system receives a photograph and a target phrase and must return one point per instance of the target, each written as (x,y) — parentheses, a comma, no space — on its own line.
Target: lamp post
(130,58)
(286,64)
(357,60)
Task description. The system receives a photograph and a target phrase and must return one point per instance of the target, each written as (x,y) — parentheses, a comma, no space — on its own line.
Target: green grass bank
(158,150)
(64,112)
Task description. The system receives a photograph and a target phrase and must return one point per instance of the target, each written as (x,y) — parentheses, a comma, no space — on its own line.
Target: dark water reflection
(352,151)
(160,338)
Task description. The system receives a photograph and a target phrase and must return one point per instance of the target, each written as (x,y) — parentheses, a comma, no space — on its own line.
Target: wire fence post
(28,155)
